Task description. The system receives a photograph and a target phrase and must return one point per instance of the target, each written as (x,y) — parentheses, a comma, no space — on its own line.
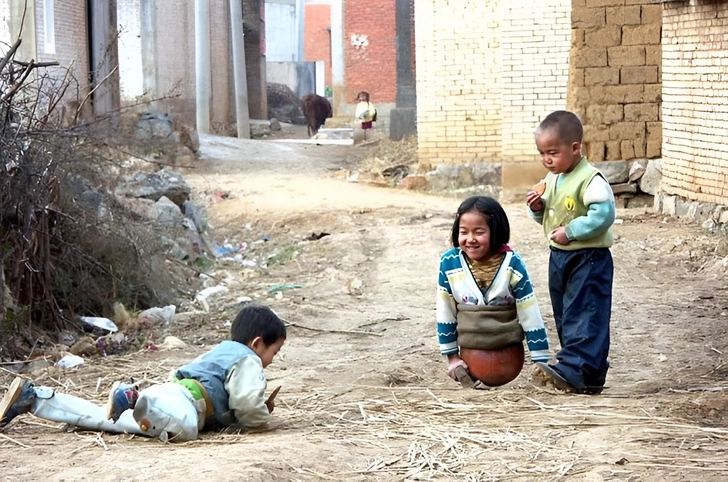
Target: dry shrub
(66,247)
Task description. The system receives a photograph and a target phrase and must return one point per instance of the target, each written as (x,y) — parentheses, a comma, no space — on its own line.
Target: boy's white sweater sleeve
(245,385)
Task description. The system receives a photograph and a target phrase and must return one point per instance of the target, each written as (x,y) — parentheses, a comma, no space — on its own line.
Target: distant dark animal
(316,109)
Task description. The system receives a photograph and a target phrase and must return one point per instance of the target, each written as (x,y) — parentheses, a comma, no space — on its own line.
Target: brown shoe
(18,399)
(557,378)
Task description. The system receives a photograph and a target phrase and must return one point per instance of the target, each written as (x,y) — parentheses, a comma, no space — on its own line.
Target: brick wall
(535,43)
(615,77)
(317,43)
(458,80)
(175,57)
(370,55)
(487,72)
(694,109)
(71,42)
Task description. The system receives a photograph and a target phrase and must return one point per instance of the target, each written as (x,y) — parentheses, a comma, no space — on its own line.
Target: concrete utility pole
(241,83)
(300,28)
(254,32)
(148,11)
(337,57)
(403,118)
(203,70)
(104,56)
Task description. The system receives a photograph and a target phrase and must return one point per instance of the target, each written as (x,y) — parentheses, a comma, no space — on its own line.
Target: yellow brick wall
(535,42)
(487,72)
(458,67)
(694,107)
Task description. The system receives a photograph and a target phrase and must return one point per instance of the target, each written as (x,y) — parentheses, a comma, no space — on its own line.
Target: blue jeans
(580,285)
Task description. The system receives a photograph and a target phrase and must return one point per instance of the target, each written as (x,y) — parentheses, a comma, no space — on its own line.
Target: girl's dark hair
(366,94)
(257,320)
(495,216)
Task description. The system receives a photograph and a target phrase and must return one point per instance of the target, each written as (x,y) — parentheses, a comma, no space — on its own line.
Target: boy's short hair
(257,320)
(566,123)
(492,211)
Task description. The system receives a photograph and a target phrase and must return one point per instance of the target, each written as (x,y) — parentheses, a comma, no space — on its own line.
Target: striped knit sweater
(511,285)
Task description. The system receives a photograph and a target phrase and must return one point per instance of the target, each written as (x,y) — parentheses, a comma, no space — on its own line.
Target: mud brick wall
(695,112)
(615,77)
(370,50)
(487,72)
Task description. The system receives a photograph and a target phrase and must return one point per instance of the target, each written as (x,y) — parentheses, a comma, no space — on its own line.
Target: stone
(155,185)
(723,217)
(275,125)
(284,104)
(189,137)
(651,179)
(637,169)
(153,125)
(615,171)
(173,249)
(710,226)
(414,183)
(682,207)
(198,215)
(624,188)
(487,173)
(167,213)
(695,210)
(706,211)
(641,201)
(669,205)
(259,130)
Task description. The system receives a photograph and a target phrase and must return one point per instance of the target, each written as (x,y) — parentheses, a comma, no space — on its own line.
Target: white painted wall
(130,50)
(281,34)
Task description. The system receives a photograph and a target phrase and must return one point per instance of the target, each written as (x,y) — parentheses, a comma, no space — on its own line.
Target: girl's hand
(535,201)
(454,362)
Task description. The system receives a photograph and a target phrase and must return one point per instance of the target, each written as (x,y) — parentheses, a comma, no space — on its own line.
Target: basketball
(494,367)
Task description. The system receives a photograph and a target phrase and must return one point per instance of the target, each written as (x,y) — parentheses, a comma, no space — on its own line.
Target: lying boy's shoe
(122,397)
(18,399)
(557,378)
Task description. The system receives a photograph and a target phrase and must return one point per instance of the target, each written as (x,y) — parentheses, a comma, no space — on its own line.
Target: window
(49,26)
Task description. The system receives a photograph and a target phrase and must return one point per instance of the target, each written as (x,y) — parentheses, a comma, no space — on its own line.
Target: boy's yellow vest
(567,203)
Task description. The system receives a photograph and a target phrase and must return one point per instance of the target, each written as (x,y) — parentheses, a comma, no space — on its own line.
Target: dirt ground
(365,394)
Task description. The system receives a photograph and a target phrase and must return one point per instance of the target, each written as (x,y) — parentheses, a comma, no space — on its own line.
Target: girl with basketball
(486,305)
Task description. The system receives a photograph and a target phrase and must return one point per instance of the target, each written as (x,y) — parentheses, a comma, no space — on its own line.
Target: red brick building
(370,50)
(370,55)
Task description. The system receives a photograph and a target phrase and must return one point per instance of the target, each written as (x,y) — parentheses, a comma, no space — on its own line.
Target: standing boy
(577,211)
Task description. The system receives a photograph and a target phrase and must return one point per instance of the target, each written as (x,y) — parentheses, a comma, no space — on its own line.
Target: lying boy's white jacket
(232,374)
